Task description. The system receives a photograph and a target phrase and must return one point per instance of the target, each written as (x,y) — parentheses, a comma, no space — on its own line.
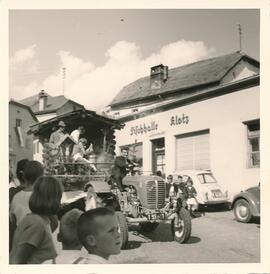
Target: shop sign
(143,128)
(178,120)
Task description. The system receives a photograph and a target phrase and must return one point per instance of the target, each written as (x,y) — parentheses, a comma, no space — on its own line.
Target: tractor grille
(155,194)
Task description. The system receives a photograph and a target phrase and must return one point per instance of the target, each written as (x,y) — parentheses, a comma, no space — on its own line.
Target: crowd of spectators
(88,236)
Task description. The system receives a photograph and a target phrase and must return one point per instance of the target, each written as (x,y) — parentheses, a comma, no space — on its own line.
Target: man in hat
(57,135)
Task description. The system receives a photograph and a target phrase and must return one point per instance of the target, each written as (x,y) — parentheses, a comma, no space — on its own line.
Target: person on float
(75,134)
(122,166)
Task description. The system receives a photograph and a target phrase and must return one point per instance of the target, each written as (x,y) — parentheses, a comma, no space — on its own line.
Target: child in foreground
(33,243)
(71,246)
(98,231)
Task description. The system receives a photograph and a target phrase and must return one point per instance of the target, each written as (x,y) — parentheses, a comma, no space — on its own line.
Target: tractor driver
(121,167)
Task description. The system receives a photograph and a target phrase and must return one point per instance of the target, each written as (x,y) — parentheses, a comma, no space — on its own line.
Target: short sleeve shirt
(92,259)
(35,230)
(20,205)
(75,134)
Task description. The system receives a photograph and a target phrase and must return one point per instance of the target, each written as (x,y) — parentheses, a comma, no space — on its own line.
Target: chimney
(42,100)
(158,75)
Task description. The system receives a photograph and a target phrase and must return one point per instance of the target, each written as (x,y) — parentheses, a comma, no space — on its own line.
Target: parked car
(246,204)
(208,190)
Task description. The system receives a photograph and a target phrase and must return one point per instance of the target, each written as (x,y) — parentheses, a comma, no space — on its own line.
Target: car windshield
(206,178)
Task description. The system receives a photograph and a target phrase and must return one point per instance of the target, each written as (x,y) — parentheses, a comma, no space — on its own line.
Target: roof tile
(204,72)
(53,102)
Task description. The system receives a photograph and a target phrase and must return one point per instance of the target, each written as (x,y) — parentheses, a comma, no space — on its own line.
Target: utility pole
(240,36)
(63,79)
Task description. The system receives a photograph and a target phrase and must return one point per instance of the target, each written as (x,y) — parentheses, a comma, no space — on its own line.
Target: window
(18,122)
(36,146)
(134,110)
(116,113)
(193,150)
(18,130)
(206,178)
(253,132)
(158,155)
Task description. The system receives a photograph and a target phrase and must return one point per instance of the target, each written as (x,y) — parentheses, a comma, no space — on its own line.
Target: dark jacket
(183,189)
(120,168)
(191,192)
(168,186)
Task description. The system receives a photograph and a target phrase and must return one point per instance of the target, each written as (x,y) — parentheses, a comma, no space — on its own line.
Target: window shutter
(193,151)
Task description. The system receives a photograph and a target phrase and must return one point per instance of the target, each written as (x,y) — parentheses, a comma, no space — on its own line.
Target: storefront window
(193,150)
(253,129)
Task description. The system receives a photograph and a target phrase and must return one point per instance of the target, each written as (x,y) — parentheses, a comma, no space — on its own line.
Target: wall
(223,116)
(17,112)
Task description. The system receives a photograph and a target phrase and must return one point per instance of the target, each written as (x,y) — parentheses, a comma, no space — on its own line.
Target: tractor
(143,200)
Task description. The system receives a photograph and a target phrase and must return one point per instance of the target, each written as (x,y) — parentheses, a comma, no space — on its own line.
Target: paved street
(216,238)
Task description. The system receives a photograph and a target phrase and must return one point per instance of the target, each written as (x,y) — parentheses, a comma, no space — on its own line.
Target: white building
(205,115)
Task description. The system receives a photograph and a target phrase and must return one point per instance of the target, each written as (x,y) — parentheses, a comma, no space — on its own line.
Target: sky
(104,50)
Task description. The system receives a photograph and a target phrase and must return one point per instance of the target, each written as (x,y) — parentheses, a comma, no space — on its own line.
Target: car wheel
(242,211)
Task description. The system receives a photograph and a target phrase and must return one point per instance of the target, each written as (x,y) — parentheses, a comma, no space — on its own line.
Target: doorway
(158,156)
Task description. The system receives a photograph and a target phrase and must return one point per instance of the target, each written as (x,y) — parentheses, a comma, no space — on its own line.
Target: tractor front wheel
(181,226)
(123,228)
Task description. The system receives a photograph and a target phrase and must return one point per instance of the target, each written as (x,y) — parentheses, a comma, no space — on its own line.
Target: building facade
(207,122)
(20,143)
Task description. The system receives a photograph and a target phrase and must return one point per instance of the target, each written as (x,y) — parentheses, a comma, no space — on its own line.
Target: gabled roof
(24,106)
(203,73)
(86,118)
(53,103)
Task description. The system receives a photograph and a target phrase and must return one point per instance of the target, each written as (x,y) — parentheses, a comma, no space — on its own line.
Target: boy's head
(189,182)
(83,141)
(32,170)
(68,230)
(170,178)
(98,231)
(81,129)
(20,169)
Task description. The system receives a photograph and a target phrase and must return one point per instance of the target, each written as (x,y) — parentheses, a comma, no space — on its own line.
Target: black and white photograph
(134,137)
